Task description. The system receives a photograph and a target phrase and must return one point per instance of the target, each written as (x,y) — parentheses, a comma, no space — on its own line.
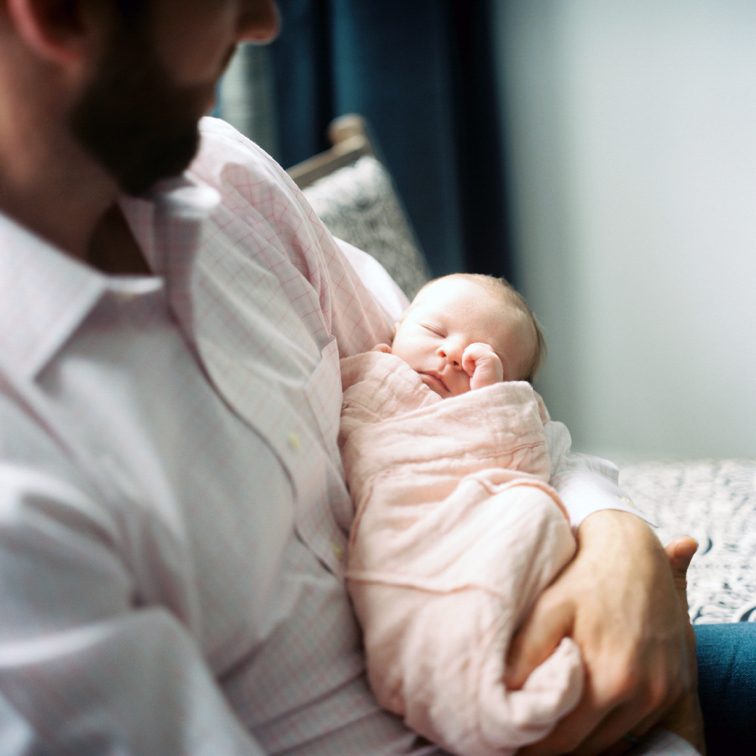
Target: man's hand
(617,600)
(685,717)
(483,365)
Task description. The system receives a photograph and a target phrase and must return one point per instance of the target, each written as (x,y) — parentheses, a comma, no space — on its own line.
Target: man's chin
(156,163)
(135,121)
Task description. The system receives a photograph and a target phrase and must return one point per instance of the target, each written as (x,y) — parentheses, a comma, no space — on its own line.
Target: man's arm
(83,669)
(391,299)
(617,600)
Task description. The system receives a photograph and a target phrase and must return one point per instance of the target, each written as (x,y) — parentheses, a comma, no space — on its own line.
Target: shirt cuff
(584,492)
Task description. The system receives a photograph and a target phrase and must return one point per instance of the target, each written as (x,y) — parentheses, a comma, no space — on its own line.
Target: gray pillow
(358,204)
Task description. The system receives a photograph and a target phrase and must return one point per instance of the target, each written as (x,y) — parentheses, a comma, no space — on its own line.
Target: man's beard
(134,121)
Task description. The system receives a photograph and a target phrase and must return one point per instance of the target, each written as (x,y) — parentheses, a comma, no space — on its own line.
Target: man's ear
(56,30)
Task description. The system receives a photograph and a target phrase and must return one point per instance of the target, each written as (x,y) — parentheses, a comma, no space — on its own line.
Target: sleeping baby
(456,528)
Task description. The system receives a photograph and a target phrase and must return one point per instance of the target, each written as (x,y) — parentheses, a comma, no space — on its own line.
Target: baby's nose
(452,353)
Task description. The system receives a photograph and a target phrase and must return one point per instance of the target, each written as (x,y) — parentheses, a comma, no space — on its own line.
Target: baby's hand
(483,365)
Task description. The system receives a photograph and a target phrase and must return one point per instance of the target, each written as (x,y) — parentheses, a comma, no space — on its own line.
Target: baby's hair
(501,287)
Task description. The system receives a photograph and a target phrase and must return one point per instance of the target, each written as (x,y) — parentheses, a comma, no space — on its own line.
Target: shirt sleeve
(286,226)
(586,484)
(84,666)
(392,300)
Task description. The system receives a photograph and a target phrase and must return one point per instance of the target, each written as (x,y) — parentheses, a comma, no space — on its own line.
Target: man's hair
(502,288)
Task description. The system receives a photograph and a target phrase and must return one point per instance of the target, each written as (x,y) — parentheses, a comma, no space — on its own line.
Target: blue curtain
(423,73)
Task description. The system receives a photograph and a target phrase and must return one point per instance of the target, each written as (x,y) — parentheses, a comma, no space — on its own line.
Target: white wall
(632,134)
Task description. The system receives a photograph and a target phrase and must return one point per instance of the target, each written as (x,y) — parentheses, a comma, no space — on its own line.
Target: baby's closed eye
(436,330)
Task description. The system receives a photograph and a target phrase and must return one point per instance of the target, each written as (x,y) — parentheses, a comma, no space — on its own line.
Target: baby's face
(449,315)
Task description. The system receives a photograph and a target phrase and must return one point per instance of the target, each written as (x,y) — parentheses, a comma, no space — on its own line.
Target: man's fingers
(595,727)
(680,551)
(535,641)
(607,738)
(569,732)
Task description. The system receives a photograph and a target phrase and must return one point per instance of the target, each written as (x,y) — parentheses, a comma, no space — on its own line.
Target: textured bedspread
(715,502)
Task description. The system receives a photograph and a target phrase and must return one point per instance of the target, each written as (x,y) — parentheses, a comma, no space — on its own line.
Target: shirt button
(627,502)
(294,441)
(338,550)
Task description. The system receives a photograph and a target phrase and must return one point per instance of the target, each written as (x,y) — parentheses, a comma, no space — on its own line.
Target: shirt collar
(45,294)
(169,217)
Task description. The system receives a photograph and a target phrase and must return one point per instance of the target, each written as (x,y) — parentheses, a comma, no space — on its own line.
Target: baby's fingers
(472,354)
(482,364)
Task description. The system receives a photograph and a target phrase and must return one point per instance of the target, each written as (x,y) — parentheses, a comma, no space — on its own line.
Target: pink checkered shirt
(173,513)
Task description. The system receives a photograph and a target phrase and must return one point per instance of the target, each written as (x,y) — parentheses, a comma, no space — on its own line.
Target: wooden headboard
(349,136)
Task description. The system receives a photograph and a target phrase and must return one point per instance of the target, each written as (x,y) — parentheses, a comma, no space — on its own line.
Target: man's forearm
(618,601)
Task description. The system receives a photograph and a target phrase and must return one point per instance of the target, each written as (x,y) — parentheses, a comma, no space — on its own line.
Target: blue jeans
(727,687)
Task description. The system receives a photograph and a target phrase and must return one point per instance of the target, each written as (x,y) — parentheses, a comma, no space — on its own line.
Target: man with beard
(172,508)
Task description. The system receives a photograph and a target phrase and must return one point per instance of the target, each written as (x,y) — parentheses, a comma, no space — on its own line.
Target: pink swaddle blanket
(456,531)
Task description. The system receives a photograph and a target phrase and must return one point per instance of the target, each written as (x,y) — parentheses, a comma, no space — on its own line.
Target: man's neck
(89,232)
(54,191)
(113,248)
(58,223)
(49,184)
(74,208)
